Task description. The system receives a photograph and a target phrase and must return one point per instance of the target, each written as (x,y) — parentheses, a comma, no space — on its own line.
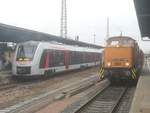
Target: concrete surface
(5,77)
(5,73)
(141,100)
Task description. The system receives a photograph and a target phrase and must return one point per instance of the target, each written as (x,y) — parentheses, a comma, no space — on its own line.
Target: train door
(66,59)
(50,58)
(46,59)
(46,62)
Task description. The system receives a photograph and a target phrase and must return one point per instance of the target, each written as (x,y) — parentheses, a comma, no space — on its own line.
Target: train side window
(73,55)
(70,57)
(84,57)
(78,57)
(58,58)
(61,58)
(54,61)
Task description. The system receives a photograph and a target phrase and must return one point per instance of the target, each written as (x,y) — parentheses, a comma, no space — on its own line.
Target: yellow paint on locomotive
(118,57)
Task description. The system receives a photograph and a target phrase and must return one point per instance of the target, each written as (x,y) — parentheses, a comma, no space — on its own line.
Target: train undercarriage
(121,76)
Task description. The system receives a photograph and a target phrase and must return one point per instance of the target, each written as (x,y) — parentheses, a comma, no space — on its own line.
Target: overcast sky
(85,17)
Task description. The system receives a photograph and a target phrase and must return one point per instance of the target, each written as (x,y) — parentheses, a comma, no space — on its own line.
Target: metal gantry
(63,29)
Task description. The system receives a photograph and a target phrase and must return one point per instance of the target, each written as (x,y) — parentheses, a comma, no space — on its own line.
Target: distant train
(122,59)
(35,58)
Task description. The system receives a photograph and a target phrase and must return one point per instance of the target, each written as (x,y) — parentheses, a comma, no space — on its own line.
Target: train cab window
(129,42)
(124,42)
(26,51)
(113,43)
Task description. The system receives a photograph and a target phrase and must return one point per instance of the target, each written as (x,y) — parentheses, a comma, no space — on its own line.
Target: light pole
(94,37)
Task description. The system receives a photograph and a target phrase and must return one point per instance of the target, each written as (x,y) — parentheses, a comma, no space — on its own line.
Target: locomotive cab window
(113,43)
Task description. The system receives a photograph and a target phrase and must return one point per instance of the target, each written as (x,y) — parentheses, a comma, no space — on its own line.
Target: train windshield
(123,42)
(26,52)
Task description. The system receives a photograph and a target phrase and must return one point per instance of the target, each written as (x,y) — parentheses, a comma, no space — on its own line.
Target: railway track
(14,84)
(47,97)
(13,94)
(105,101)
(126,101)
(7,86)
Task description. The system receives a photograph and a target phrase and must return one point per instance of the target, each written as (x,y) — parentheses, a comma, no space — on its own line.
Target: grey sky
(85,17)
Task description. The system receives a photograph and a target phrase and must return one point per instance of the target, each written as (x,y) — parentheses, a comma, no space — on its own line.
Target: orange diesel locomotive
(122,59)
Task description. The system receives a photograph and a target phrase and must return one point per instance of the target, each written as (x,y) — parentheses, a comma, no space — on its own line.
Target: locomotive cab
(118,53)
(120,58)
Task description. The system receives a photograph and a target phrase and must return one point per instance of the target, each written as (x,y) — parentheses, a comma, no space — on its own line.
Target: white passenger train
(35,58)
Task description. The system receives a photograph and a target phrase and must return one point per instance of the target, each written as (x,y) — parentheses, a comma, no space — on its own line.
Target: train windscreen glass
(113,43)
(26,52)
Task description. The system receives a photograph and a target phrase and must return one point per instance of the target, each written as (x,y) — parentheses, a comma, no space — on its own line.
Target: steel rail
(118,101)
(104,101)
(7,86)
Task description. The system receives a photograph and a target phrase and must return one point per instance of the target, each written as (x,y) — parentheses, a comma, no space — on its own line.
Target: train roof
(120,37)
(61,46)
(121,41)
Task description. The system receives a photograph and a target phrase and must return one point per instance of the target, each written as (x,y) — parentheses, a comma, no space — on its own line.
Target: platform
(5,77)
(5,73)
(141,100)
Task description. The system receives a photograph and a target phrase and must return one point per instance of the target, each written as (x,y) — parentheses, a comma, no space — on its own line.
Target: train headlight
(108,64)
(20,59)
(127,64)
(26,59)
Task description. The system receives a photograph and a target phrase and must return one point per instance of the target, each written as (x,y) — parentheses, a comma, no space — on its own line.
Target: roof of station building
(143,15)
(15,34)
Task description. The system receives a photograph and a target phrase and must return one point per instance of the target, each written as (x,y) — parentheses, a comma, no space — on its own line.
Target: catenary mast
(63,29)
